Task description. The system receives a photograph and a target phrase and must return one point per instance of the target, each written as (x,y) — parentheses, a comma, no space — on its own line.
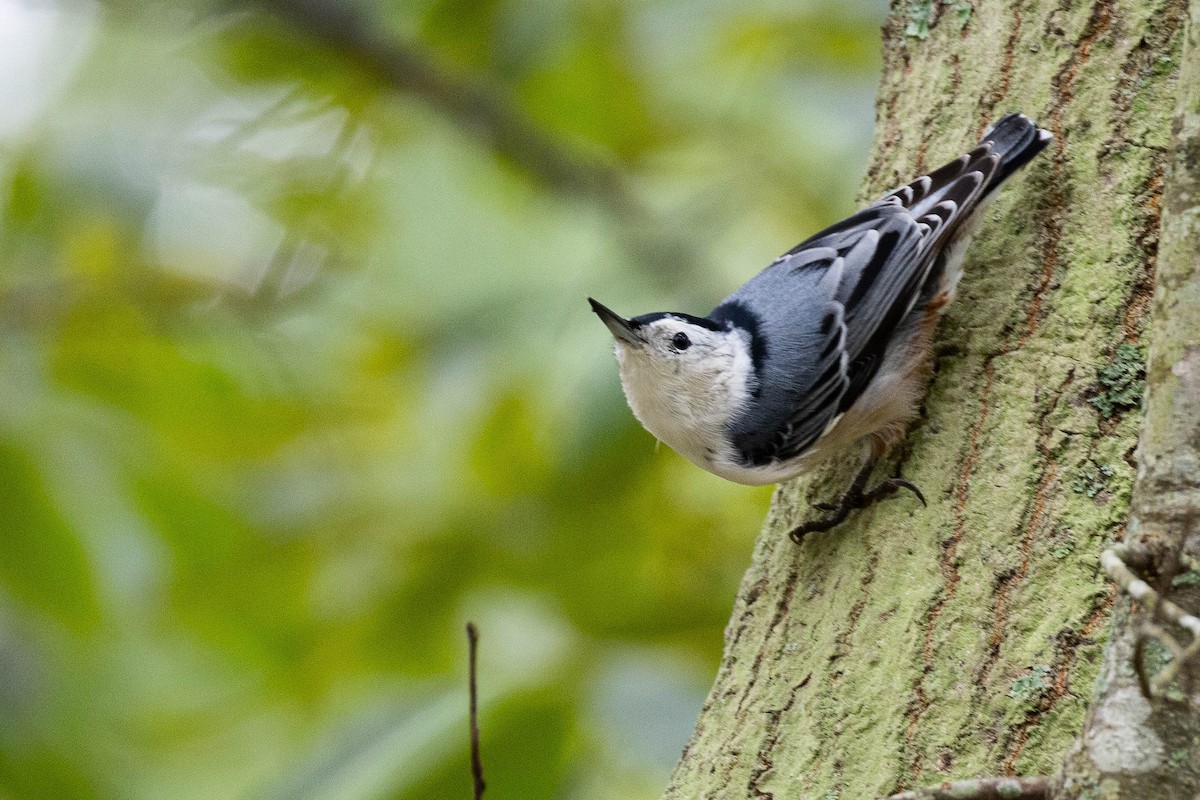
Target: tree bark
(1133,746)
(912,646)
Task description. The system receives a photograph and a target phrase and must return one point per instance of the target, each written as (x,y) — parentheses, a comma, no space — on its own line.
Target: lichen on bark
(884,654)
(1132,746)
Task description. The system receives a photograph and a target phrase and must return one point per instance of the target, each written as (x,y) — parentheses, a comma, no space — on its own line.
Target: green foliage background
(296,376)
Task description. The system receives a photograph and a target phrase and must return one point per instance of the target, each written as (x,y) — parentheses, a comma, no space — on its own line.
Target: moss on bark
(1132,747)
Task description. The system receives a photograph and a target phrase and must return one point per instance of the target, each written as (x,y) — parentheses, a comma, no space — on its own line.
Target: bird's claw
(899,483)
(855,498)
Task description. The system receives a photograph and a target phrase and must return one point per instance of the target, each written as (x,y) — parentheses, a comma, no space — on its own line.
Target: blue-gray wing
(824,313)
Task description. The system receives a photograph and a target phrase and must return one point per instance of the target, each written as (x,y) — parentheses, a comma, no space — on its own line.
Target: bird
(827,348)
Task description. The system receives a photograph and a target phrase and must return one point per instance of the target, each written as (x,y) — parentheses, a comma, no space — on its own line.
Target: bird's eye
(681,341)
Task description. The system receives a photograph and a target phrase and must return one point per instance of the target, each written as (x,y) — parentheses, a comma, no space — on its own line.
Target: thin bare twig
(1033,788)
(1139,664)
(476,759)
(1113,561)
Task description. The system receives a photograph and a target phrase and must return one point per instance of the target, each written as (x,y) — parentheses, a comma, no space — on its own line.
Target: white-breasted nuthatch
(829,345)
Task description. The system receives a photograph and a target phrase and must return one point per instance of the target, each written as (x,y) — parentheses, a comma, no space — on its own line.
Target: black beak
(620,327)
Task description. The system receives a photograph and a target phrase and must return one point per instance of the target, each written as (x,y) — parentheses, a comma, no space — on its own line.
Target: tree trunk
(911,646)
(1133,746)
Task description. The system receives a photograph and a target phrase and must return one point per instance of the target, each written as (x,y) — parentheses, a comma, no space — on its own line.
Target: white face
(685,382)
(671,344)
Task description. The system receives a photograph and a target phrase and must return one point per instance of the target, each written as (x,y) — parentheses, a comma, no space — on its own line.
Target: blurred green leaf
(593,95)
(509,455)
(44,775)
(464,30)
(44,563)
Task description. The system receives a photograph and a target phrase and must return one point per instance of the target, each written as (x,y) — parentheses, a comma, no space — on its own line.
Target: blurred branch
(479,109)
(476,759)
(487,113)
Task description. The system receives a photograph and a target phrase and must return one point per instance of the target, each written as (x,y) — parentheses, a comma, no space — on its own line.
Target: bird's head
(684,376)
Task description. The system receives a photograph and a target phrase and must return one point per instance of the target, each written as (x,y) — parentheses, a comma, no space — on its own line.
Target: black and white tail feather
(822,348)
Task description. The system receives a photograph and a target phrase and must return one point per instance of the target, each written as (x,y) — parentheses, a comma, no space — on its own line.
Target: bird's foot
(854,498)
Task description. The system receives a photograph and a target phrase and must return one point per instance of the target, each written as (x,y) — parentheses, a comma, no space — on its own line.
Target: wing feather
(872,268)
